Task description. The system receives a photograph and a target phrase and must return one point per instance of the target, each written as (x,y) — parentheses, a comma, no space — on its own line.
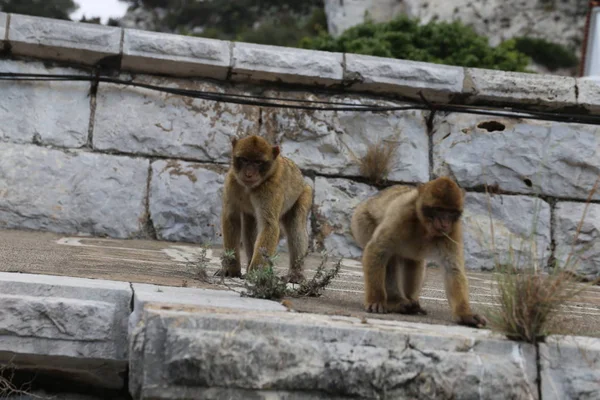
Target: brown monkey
(398,229)
(262,190)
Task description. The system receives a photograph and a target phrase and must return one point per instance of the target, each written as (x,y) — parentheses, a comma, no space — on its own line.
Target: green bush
(437,42)
(551,55)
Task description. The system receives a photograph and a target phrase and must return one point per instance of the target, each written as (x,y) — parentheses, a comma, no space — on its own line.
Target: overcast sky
(99,8)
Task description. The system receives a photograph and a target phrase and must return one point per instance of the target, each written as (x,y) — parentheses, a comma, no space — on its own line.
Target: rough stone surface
(522,156)
(153,294)
(142,121)
(185,201)
(570,368)
(66,324)
(585,257)
(285,64)
(556,21)
(589,93)
(333,142)
(177,55)
(63,40)
(65,123)
(315,356)
(76,192)
(402,77)
(335,200)
(521,227)
(487,86)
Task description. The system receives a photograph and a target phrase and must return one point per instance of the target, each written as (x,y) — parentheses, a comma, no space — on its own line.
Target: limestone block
(251,354)
(3,24)
(63,40)
(585,257)
(403,77)
(178,55)
(521,231)
(185,201)
(141,121)
(332,142)
(258,62)
(520,156)
(335,201)
(570,367)
(71,192)
(54,113)
(66,325)
(504,87)
(589,93)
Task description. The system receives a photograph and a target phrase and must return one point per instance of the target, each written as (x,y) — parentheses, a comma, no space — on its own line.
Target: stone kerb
(177,55)
(70,327)
(3,31)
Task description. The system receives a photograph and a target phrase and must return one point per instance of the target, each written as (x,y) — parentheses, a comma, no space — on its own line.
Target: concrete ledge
(177,55)
(3,24)
(589,93)
(502,87)
(70,327)
(570,368)
(256,62)
(47,38)
(402,77)
(206,353)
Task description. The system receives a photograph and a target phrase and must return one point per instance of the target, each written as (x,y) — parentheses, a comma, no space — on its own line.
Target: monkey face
(441,220)
(250,171)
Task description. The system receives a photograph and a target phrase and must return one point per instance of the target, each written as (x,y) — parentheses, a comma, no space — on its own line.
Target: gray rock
(333,142)
(335,200)
(570,368)
(75,192)
(185,201)
(585,256)
(501,87)
(405,78)
(63,40)
(521,231)
(315,356)
(62,109)
(344,14)
(3,23)
(142,121)
(257,62)
(66,325)
(177,55)
(589,93)
(561,160)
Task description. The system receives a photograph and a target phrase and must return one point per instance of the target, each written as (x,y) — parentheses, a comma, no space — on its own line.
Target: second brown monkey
(263,191)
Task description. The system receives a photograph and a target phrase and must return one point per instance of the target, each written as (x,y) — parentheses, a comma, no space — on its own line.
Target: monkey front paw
(473,320)
(228,273)
(377,307)
(295,277)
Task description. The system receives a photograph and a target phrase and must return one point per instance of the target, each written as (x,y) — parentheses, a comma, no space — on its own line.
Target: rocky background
(125,162)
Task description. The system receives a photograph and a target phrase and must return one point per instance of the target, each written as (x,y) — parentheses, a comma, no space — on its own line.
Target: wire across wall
(316,105)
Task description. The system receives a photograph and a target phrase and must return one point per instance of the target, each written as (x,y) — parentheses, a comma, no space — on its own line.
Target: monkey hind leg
(362,225)
(248,235)
(295,226)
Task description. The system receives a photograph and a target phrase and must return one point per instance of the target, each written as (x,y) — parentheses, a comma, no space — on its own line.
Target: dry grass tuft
(530,299)
(376,164)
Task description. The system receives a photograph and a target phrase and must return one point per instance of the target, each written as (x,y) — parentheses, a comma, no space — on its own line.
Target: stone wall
(108,159)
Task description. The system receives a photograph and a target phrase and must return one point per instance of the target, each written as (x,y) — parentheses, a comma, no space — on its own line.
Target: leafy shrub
(551,55)
(437,42)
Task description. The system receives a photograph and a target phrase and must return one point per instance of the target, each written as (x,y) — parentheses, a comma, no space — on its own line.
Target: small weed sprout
(529,298)
(263,282)
(321,279)
(198,267)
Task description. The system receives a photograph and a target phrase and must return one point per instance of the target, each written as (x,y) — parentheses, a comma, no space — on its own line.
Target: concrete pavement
(165,263)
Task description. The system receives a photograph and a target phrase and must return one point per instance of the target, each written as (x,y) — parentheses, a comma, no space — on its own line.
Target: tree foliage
(551,55)
(436,42)
(58,9)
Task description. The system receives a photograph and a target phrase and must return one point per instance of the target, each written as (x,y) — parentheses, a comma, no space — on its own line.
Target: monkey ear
(276,151)
(233,142)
